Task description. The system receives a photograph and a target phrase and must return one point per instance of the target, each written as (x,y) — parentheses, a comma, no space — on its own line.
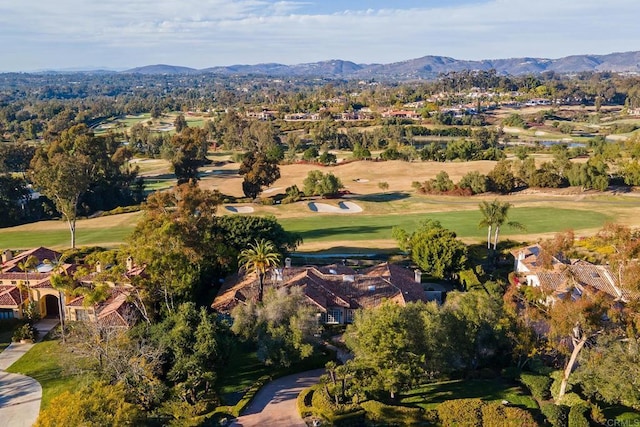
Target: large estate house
(561,278)
(20,285)
(336,291)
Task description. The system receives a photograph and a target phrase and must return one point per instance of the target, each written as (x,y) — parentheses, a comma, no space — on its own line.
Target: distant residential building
(337,292)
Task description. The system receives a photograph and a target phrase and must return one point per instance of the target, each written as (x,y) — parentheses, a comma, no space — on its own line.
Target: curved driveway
(276,403)
(19,400)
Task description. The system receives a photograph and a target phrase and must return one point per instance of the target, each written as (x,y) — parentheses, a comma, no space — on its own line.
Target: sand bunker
(239,209)
(272,190)
(343,207)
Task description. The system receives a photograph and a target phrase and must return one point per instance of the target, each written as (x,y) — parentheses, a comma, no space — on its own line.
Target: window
(82,315)
(334,315)
(6,313)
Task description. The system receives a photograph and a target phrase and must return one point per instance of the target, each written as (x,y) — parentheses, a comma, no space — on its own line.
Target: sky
(120,34)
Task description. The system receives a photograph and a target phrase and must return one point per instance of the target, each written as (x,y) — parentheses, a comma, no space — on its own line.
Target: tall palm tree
(495,215)
(28,264)
(259,257)
(61,282)
(501,217)
(488,211)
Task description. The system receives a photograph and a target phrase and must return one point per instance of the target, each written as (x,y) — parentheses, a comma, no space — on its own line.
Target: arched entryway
(51,307)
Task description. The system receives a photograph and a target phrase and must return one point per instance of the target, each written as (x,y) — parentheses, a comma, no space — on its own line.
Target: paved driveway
(275,403)
(19,400)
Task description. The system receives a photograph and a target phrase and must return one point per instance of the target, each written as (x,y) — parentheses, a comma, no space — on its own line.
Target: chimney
(7,256)
(129,263)
(287,263)
(98,267)
(417,275)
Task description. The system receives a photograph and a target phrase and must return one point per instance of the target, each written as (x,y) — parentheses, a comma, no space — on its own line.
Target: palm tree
(259,257)
(501,217)
(495,215)
(488,211)
(28,264)
(61,282)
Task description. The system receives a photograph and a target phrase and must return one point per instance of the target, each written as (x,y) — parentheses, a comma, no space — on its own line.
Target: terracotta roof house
(336,291)
(562,278)
(35,286)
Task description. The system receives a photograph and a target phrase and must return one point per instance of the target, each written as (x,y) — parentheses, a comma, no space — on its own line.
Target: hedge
(393,415)
(578,416)
(461,412)
(304,401)
(537,384)
(557,415)
(496,414)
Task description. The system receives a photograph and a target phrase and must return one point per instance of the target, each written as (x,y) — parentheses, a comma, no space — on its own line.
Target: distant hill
(161,69)
(419,68)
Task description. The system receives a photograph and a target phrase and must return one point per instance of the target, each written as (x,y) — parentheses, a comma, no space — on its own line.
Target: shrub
(578,416)
(572,399)
(538,385)
(557,415)
(511,373)
(394,415)
(461,412)
(304,401)
(25,332)
(497,414)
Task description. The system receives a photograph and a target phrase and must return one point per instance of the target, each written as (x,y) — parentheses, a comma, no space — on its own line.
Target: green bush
(537,384)
(511,373)
(25,332)
(578,416)
(557,415)
(556,376)
(392,415)
(497,414)
(461,412)
(304,401)
(572,399)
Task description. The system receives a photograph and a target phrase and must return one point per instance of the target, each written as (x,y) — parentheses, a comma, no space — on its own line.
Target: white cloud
(202,33)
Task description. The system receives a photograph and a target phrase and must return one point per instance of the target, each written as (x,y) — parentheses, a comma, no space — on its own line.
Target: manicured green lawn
(61,238)
(431,395)
(45,362)
(464,223)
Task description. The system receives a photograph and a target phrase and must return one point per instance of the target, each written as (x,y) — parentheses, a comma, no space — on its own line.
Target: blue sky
(120,34)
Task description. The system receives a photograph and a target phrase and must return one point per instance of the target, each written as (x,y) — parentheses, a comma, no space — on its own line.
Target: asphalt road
(275,403)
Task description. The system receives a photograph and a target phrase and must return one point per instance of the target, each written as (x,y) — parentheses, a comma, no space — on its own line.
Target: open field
(543,212)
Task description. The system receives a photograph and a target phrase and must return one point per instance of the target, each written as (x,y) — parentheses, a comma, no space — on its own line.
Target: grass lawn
(429,396)
(45,364)
(108,236)
(464,223)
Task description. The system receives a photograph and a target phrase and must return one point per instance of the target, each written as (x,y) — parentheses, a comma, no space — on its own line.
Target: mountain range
(419,68)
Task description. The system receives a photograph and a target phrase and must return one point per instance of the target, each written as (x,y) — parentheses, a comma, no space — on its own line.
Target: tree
(180,123)
(197,346)
(433,248)
(605,370)
(474,181)
(174,241)
(259,258)
(188,153)
(327,158)
(501,178)
(25,266)
(61,282)
(258,172)
(14,196)
(318,184)
(495,214)
(64,178)
(383,185)
(393,346)
(284,326)
(575,322)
